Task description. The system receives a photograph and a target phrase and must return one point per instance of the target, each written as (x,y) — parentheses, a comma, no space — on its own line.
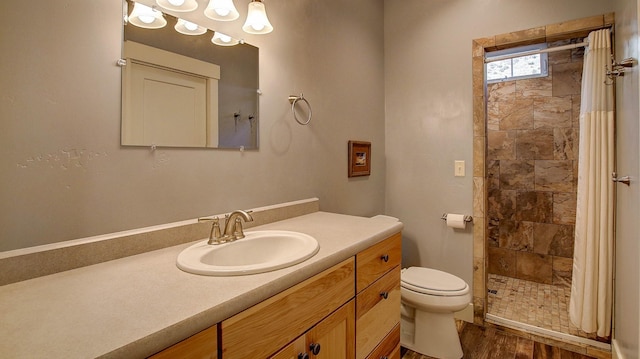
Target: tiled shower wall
(532,160)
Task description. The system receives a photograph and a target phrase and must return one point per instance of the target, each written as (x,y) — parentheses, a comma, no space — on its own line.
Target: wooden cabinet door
(333,338)
(295,350)
(203,345)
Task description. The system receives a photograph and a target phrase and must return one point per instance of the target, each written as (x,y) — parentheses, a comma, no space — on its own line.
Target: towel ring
(294,99)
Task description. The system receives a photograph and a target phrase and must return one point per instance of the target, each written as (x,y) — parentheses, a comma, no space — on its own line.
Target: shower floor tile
(541,305)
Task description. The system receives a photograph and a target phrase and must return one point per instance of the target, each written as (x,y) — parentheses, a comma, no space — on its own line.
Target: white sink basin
(258,252)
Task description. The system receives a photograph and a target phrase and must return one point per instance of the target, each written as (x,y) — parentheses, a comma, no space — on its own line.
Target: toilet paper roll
(456,221)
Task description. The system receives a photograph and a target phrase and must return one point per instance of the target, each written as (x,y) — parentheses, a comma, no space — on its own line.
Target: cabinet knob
(384,295)
(303,356)
(315,348)
(385,257)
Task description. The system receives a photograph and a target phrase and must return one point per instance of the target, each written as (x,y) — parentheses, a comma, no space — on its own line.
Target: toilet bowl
(429,298)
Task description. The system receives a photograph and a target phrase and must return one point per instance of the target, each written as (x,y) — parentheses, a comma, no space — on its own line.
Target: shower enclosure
(527,189)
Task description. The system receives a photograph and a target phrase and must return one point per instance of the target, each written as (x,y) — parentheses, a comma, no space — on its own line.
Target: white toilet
(429,299)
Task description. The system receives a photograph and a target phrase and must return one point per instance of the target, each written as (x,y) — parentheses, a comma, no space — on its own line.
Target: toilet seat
(433,282)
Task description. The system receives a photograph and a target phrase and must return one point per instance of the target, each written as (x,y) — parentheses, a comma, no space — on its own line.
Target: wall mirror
(185,91)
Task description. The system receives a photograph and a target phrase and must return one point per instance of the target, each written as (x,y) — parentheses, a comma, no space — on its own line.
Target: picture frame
(359,158)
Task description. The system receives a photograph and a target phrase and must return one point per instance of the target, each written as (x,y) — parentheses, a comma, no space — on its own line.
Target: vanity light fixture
(146,17)
(223,39)
(188,28)
(221,10)
(257,21)
(178,5)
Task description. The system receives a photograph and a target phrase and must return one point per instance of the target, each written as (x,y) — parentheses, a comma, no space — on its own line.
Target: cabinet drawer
(201,345)
(389,348)
(377,260)
(268,326)
(375,315)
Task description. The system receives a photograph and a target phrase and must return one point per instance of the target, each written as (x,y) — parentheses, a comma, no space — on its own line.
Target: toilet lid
(432,281)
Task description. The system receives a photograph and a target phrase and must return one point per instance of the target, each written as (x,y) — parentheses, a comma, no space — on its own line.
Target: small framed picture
(359,158)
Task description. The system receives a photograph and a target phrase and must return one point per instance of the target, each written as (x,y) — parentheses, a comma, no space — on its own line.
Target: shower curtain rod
(534,52)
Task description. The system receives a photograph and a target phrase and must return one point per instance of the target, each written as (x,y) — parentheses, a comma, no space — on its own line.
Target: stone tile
(551,175)
(565,143)
(479,196)
(534,267)
(478,241)
(575,110)
(493,174)
(479,125)
(516,115)
(478,156)
(553,239)
(567,78)
(501,91)
(564,208)
(502,204)
(478,45)
(493,116)
(493,232)
(559,57)
(478,276)
(534,206)
(502,261)
(535,144)
(521,38)
(552,112)
(574,28)
(517,236)
(501,145)
(477,71)
(536,87)
(517,175)
(562,271)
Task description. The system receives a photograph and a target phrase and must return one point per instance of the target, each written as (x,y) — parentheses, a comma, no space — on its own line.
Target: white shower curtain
(590,306)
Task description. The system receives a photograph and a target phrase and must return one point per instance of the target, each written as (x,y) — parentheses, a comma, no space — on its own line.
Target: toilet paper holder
(466,218)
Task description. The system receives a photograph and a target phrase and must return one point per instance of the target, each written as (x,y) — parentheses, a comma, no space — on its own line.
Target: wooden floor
(480,343)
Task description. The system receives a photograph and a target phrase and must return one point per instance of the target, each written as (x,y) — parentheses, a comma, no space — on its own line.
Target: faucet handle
(238,233)
(215,236)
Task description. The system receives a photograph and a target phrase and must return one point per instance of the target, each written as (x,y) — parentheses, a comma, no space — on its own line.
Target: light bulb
(190,26)
(146,17)
(223,39)
(257,21)
(222,12)
(176,2)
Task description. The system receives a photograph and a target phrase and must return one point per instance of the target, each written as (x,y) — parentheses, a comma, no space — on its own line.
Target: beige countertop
(135,306)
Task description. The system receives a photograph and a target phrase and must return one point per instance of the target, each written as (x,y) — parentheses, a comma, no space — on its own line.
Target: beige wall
(65,175)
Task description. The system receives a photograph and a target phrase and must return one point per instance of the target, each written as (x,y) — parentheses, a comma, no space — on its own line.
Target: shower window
(510,66)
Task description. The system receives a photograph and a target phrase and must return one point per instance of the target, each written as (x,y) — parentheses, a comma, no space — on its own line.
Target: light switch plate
(459,169)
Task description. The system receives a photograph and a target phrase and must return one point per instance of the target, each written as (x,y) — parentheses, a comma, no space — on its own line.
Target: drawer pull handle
(385,258)
(384,357)
(303,356)
(384,295)
(315,348)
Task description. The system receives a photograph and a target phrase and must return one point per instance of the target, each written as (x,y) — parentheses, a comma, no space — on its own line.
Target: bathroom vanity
(342,302)
(350,310)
